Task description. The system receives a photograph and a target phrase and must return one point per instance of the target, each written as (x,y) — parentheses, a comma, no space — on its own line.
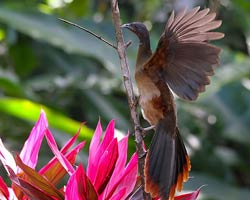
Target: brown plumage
(182,61)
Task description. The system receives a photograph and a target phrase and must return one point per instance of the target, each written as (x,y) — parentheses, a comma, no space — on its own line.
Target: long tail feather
(167,163)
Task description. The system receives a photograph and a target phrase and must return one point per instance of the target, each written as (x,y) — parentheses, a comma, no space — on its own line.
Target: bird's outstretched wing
(184,58)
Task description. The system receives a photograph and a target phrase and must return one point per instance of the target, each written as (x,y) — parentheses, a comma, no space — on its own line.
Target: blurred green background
(47,64)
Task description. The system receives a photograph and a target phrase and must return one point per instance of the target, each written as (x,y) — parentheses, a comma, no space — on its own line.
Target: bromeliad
(107,177)
(27,183)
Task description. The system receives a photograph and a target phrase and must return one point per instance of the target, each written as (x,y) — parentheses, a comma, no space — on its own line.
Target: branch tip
(88,31)
(128,44)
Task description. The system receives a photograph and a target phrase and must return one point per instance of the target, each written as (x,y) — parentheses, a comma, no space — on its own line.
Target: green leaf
(10,84)
(30,111)
(48,28)
(23,58)
(106,108)
(39,181)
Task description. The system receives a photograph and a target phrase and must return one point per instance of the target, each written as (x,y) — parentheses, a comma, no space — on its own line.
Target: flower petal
(109,134)
(6,158)
(30,150)
(108,137)
(121,161)
(28,189)
(71,141)
(96,151)
(119,195)
(130,174)
(4,189)
(120,164)
(53,146)
(189,196)
(79,187)
(94,145)
(54,171)
(12,194)
(106,166)
(127,179)
(36,180)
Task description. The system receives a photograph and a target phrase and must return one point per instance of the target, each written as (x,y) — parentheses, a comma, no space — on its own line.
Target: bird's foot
(145,131)
(148,128)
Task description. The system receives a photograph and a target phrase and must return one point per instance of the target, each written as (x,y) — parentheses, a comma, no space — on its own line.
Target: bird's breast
(149,95)
(147,89)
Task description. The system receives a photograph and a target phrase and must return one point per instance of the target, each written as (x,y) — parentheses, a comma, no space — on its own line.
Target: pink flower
(79,187)
(29,152)
(4,191)
(26,181)
(189,196)
(138,195)
(108,176)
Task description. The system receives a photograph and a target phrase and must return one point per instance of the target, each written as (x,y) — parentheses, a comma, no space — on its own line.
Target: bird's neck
(144,52)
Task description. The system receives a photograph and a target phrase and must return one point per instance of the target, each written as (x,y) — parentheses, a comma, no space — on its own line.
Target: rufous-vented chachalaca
(183,61)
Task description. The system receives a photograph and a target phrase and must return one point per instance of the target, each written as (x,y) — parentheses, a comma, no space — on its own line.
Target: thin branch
(88,31)
(121,49)
(128,44)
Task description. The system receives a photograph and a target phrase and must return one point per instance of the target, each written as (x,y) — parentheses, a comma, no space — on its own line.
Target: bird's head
(139,29)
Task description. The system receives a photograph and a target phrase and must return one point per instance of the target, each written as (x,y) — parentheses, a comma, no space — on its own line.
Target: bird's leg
(149,128)
(146,130)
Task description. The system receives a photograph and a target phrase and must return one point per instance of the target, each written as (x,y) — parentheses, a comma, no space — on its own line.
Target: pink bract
(26,182)
(107,175)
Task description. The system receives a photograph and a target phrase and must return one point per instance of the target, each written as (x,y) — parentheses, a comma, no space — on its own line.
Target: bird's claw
(144,131)
(149,128)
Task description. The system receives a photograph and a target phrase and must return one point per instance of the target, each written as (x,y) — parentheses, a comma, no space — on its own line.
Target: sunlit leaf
(48,28)
(12,106)
(38,181)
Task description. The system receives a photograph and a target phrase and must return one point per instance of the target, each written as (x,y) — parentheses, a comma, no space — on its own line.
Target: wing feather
(170,20)
(178,18)
(183,57)
(188,16)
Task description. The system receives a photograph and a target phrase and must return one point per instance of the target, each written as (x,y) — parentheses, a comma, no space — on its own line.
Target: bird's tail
(167,163)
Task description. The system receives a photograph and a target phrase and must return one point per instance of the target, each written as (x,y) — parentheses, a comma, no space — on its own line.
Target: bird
(182,64)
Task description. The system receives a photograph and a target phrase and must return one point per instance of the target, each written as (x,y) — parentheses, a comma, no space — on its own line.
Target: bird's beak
(125,25)
(128,26)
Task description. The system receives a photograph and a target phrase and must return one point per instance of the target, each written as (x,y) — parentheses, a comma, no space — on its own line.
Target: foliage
(107,175)
(73,75)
